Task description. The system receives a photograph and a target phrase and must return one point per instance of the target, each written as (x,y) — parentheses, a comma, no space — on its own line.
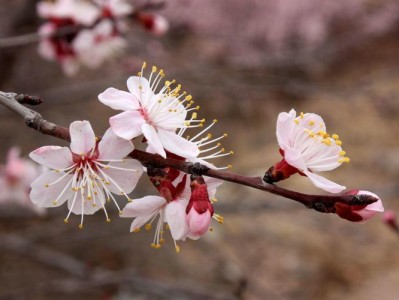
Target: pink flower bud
(359,213)
(154,23)
(199,209)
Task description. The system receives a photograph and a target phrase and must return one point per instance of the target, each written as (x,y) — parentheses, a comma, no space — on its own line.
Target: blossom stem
(322,203)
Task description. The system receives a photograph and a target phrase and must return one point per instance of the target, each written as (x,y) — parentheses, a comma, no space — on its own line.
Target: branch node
(198,169)
(28,99)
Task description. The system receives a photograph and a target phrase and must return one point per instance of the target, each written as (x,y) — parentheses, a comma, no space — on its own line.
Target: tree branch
(321,203)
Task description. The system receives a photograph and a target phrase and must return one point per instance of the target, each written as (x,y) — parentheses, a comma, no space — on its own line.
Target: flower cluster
(88,32)
(307,148)
(92,171)
(15,178)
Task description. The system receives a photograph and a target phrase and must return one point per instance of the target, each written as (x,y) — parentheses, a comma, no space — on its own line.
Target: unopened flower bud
(154,23)
(361,212)
(389,218)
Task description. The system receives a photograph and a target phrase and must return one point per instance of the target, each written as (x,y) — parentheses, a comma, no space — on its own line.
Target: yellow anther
(225,134)
(154,69)
(338,142)
(188,97)
(302,115)
(108,220)
(66,221)
(342,153)
(222,150)
(296,121)
(201,124)
(97,139)
(161,73)
(311,123)
(108,200)
(231,152)
(46,185)
(136,230)
(197,107)
(139,74)
(144,65)
(57,171)
(335,136)
(326,142)
(210,229)
(153,245)
(129,200)
(215,121)
(94,205)
(170,110)
(162,241)
(167,227)
(229,166)
(344,160)
(167,82)
(148,226)
(311,134)
(209,135)
(89,197)
(80,226)
(215,199)
(177,249)
(55,202)
(194,115)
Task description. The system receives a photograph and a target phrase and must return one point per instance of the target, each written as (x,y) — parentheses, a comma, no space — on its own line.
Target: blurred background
(243,62)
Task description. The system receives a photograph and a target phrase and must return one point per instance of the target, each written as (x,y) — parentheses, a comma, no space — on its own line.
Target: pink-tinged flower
(359,213)
(170,207)
(307,148)
(154,23)
(15,179)
(86,174)
(79,12)
(93,47)
(115,8)
(156,115)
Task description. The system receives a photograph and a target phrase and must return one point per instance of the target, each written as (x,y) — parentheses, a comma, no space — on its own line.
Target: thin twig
(321,203)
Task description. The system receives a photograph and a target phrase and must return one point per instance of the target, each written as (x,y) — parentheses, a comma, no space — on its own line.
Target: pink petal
(119,100)
(143,206)
(372,209)
(54,157)
(324,183)
(153,139)
(113,147)
(198,223)
(128,124)
(45,196)
(178,145)
(125,179)
(82,137)
(175,216)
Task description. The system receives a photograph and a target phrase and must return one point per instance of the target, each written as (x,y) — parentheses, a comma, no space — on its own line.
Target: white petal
(89,206)
(54,157)
(324,183)
(119,100)
(45,196)
(125,179)
(82,137)
(143,206)
(140,221)
(128,124)
(175,216)
(153,139)
(136,84)
(113,147)
(284,128)
(178,145)
(294,158)
(375,206)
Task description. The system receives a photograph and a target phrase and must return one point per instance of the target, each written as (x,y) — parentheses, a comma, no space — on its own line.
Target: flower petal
(178,145)
(294,158)
(54,157)
(143,206)
(128,124)
(119,100)
(44,193)
(140,87)
(198,223)
(124,181)
(285,126)
(324,183)
(113,147)
(82,137)
(140,221)
(81,205)
(175,216)
(153,139)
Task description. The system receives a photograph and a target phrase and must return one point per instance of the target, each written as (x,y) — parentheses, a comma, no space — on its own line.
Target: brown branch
(321,203)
